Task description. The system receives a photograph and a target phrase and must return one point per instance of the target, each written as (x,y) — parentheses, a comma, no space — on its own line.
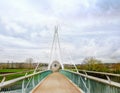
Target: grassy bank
(11,70)
(17,73)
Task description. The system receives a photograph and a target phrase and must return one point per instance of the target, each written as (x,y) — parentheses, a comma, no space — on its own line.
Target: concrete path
(56,83)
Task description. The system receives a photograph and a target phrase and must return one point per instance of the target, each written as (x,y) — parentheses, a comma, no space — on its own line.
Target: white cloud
(116,54)
(13,26)
(86,28)
(7,41)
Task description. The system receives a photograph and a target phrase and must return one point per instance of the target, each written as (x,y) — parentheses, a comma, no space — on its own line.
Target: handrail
(103,73)
(3,84)
(112,83)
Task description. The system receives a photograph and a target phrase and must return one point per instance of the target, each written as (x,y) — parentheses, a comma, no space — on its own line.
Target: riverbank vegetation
(93,64)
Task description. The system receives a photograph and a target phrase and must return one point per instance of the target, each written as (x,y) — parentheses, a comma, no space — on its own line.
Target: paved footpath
(56,83)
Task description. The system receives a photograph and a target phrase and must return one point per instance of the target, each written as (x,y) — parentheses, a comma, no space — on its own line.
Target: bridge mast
(55,53)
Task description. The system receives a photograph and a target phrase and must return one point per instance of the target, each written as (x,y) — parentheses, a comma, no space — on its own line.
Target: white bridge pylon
(55,54)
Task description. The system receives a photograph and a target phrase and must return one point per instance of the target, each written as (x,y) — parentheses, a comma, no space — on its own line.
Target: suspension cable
(70,57)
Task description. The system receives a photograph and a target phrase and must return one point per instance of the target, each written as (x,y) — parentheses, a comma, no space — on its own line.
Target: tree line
(93,64)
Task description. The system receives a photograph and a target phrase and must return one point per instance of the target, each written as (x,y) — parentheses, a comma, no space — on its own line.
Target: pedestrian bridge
(60,82)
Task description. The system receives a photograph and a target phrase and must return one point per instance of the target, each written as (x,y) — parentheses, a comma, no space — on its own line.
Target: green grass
(11,70)
(13,76)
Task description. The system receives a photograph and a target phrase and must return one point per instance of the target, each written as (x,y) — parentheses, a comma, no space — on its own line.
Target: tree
(93,64)
(116,67)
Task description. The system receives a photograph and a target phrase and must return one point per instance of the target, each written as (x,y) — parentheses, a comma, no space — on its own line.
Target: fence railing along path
(86,83)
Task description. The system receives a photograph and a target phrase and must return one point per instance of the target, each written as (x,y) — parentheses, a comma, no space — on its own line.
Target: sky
(87,28)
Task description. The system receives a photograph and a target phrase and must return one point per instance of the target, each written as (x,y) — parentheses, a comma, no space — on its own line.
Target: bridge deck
(56,83)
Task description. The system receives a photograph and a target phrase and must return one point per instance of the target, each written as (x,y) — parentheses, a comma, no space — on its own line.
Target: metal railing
(90,84)
(8,76)
(23,84)
(103,75)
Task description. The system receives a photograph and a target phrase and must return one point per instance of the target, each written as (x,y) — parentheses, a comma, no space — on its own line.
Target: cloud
(108,6)
(16,55)
(116,54)
(86,28)
(8,41)
(12,26)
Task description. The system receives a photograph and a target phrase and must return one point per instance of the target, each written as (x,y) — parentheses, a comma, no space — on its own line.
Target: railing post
(86,75)
(33,82)
(3,79)
(38,78)
(108,78)
(23,86)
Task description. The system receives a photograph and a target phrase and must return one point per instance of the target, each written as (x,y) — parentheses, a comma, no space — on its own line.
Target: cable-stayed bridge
(56,79)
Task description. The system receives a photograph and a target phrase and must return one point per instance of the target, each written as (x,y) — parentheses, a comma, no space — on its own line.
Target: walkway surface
(56,83)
